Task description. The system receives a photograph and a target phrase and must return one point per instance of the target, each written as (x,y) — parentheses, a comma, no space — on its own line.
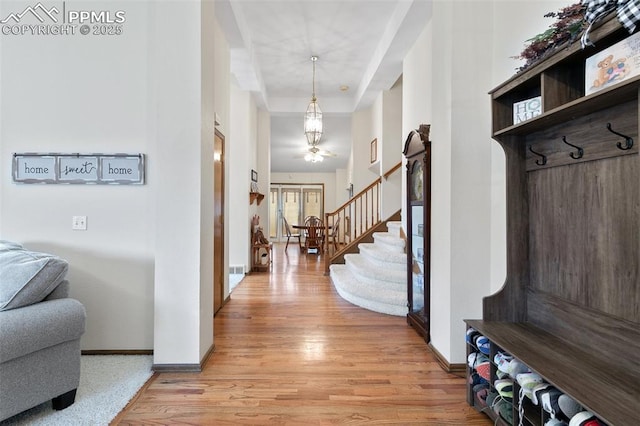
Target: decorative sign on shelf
(112,169)
(613,64)
(529,108)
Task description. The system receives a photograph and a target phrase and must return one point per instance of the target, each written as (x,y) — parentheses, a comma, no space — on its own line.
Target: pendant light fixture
(313,116)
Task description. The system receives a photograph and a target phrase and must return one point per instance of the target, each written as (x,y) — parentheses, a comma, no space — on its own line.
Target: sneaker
(527,382)
(502,361)
(505,411)
(555,422)
(476,358)
(482,343)
(537,391)
(516,367)
(549,399)
(481,392)
(491,397)
(585,418)
(471,335)
(568,407)
(502,375)
(505,389)
(484,370)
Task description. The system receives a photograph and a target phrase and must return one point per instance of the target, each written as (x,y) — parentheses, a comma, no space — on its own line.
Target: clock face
(416,178)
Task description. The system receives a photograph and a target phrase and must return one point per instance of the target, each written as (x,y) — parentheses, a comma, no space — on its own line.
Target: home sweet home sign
(55,168)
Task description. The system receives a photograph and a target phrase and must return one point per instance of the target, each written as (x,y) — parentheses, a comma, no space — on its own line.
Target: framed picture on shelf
(254,176)
(374,150)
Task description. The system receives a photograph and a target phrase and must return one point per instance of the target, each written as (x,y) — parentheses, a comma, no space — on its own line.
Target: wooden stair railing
(355,220)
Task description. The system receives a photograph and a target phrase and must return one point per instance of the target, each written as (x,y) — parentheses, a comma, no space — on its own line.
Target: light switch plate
(79,223)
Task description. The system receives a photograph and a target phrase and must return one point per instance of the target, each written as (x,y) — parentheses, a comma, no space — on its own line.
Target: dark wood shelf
(606,98)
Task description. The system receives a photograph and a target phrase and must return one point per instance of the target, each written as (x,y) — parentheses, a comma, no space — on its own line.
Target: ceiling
(360,44)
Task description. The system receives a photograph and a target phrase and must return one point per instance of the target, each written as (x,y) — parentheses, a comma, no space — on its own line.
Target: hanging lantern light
(313,116)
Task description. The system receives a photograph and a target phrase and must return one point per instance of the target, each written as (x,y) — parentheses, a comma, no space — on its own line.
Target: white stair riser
(384,258)
(364,270)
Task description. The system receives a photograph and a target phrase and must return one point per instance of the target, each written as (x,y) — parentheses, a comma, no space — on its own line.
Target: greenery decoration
(568,26)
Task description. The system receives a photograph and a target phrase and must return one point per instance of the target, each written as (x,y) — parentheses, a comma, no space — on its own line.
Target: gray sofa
(40,330)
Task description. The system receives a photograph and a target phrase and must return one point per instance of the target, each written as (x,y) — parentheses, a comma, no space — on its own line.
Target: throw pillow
(27,277)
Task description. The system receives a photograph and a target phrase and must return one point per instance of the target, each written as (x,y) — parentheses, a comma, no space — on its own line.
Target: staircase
(376,277)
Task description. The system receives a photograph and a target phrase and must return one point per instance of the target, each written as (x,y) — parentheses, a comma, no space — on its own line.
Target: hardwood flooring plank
(290,351)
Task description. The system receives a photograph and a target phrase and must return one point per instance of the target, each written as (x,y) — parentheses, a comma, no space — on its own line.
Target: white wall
(381,121)
(391,151)
(242,141)
(85,94)
(144,263)
(441,88)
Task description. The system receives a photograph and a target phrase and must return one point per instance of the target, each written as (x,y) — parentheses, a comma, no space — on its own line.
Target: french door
(293,202)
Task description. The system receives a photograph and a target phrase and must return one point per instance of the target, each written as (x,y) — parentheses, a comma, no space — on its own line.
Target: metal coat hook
(573,154)
(543,158)
(629,140)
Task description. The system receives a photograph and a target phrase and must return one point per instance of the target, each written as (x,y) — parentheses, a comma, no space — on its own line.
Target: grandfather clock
(417,150)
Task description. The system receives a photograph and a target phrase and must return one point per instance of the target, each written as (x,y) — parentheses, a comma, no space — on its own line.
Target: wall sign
(118,169)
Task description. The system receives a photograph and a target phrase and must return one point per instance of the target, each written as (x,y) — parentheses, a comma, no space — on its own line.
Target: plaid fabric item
(628,12)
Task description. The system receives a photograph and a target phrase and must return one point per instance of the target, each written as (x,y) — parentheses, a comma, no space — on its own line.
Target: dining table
(313,237)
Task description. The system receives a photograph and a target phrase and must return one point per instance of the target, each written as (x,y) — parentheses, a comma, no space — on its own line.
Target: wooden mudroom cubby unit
(570,304)
(560,81)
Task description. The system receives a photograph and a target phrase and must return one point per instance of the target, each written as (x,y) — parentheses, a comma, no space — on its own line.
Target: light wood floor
(290,351)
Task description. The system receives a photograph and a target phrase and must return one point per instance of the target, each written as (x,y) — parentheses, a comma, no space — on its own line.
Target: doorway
(293,202)
(218,222)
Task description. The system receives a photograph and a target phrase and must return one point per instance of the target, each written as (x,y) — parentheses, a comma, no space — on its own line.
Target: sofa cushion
(27,277)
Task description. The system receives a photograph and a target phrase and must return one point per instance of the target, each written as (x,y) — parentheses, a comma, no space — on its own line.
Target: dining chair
(290,235)
(314,234)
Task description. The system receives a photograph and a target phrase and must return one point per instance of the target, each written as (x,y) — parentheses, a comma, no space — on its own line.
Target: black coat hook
(628,139)
(543,158)
(573,154)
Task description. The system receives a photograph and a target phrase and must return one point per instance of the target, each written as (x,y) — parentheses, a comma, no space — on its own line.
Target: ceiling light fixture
(313,116)
(314,156)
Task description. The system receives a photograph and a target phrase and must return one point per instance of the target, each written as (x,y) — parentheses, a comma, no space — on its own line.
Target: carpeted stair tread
(390,241)
(375,273)
(387,259)
(391,302)
(394,228)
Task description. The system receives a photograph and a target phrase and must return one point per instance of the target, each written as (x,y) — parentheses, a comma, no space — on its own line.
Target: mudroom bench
(570,305)
(604,380)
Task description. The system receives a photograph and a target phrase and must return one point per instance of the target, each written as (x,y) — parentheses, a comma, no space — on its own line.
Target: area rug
(107,384)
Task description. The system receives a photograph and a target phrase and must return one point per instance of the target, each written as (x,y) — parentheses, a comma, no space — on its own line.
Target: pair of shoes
(475,379)
(585,418)
(484,370)
(528,381)
(504,387)
(508,364)
(559,405)
(537,391)
(504,409)
(502,361)
(481,392)
(472,333)
(476,358)
(483,344)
